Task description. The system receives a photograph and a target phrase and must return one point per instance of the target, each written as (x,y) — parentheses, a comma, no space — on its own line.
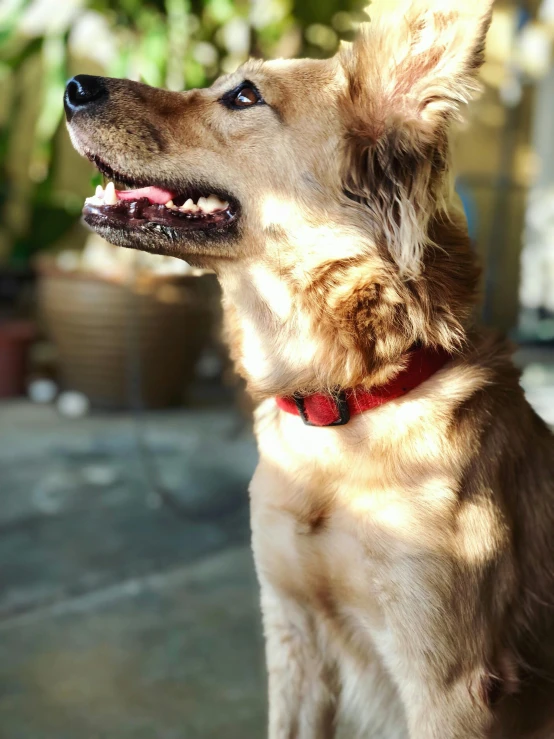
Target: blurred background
(128,604)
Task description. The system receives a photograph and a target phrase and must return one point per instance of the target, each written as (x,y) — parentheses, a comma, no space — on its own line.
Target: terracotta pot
(15,340)
(116,343)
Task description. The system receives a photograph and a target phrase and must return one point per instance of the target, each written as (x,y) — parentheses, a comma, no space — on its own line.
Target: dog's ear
(407,76)
(415,63)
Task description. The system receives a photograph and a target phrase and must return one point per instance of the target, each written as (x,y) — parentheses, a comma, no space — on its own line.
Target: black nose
(83,90)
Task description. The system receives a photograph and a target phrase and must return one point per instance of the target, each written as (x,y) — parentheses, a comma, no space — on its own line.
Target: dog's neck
(337,409)
(340,315)
(281,349)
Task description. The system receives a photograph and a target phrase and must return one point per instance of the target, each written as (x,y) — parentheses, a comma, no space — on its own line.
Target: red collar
(322,409)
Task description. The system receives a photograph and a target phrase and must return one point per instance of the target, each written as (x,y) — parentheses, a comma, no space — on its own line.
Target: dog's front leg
(302,689)
(444,685)
(451,713)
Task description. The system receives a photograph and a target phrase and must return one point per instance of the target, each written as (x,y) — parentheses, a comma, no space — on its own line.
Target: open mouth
(189,210)
(158,211)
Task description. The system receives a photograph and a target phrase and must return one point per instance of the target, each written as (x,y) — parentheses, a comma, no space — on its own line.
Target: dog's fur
(406,560)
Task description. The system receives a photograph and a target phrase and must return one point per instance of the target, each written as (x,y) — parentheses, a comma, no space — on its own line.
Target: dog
(403,505)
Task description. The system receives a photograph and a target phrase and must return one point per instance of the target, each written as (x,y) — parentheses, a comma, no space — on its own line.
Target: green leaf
(195,75)
(221,10)
(15,55)
(54,64)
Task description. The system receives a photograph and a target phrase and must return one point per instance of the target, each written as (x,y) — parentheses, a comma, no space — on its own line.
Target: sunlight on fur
(276,211)
(274,291)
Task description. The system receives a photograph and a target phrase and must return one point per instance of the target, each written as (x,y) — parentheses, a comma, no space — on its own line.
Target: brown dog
(405,556)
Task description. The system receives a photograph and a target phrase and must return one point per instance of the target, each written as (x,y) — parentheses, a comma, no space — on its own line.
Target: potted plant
(128,327)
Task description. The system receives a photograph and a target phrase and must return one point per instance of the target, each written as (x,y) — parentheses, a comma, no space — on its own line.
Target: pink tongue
(154,195)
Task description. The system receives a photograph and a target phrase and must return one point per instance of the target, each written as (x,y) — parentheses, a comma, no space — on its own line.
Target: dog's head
(319,191)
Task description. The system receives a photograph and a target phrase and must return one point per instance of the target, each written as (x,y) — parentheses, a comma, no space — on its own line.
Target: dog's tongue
(154,194)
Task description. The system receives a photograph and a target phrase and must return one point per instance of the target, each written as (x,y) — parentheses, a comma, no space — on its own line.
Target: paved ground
(121,618)
(176,655)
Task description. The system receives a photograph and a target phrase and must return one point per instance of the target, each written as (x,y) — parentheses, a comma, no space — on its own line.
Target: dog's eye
(243,97)
(247,96)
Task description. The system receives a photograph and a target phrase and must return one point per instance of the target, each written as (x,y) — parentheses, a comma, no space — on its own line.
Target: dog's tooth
(110,198)
(189,206)
(213,203)
(99,191)
(170,204)
(203,204)
(94,201)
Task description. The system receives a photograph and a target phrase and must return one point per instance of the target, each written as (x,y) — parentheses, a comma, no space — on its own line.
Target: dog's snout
(83,90)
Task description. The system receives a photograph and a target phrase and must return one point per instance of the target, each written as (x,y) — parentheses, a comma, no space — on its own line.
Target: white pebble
(42,391)
(73,404)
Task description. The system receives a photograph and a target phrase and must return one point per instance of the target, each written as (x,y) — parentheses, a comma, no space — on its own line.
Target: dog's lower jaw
(200,249)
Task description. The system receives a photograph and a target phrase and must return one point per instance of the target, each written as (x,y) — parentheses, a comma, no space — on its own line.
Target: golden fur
(406,560)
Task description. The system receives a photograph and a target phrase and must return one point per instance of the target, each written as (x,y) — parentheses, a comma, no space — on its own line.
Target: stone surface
(176,655)
(121,616)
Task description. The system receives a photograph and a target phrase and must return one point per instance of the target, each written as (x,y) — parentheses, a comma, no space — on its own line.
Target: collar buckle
(341,405)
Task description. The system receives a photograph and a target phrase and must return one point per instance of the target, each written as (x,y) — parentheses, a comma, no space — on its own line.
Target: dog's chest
(357,525)
(344,542)
(325,567)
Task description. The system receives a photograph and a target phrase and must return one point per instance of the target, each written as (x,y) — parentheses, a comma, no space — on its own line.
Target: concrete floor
(121,617)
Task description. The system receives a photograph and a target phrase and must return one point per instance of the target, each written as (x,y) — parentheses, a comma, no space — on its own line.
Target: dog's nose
(81,91)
